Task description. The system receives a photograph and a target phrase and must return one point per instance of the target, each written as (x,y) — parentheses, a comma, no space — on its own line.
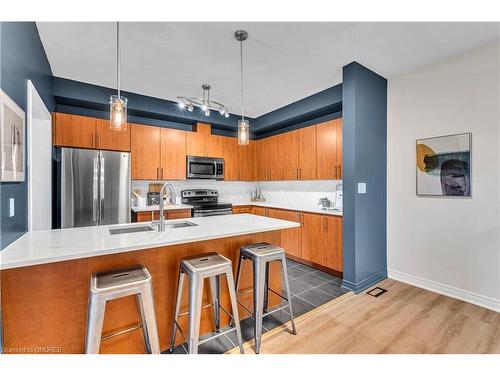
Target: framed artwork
(444,165)
(12,139)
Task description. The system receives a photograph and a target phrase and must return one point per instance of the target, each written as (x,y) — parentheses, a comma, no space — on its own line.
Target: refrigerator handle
(101,189)
(94,190)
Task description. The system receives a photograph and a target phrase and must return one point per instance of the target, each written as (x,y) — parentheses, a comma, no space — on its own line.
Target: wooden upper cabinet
(108,139)
(231,161)
(326,150)
(307,153)
(197,140)
(145,148)
(338,126)
(172,154)
(74,131)
(246,161)
(275,158)
(291,238)
(262,159)
(288,146)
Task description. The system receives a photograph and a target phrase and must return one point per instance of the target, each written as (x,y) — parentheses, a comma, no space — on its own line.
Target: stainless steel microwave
(204,168)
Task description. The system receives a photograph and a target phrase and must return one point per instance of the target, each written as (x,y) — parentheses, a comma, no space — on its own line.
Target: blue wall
(364,160)
(22,58)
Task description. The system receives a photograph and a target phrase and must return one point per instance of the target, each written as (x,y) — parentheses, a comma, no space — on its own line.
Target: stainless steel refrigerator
(93,187)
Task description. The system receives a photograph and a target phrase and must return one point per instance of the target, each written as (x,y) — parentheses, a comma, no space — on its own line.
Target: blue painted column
(364,102)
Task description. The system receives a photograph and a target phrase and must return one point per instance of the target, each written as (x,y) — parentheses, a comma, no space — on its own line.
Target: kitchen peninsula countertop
(42,247)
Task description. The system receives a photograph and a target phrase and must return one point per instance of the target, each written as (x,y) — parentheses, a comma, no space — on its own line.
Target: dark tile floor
(309,287)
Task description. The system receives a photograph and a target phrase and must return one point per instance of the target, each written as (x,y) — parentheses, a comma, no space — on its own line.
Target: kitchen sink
(150,228)
(177,224)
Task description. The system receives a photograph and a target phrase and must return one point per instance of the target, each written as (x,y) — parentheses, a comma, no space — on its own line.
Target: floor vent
(376,292)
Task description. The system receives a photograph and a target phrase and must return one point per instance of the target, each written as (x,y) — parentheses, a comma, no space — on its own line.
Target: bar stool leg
(178,300)
(266,288)
(288,296)
(95,320)
(149,328)
(195,305)
(259,269)
(236,286)
(215,293)
(234,307)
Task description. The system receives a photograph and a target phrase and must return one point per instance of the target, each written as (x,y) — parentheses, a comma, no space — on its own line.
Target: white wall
(450,245)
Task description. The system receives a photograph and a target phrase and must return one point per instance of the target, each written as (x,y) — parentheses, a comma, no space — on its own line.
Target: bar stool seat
(109,285)
(197,268)
(261,254)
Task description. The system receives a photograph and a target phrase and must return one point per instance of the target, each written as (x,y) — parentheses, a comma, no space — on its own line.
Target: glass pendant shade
(243,132)
(118,113)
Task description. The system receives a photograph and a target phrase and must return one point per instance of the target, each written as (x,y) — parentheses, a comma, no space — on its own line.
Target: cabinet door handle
(97,140)
(161,173)
(340,171)
(152,216)
(92,137)
(335,173)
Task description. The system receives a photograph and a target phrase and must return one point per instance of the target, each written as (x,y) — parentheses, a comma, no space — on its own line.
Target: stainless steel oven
(204,168)
(205,202)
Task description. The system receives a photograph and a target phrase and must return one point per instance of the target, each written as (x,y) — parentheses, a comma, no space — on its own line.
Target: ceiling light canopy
(118,104)
(204,103)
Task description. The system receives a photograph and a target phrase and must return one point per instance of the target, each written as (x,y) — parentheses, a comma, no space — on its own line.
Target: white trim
(450,291)
(32,93)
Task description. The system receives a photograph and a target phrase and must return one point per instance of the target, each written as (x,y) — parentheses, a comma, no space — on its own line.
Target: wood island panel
(45,306)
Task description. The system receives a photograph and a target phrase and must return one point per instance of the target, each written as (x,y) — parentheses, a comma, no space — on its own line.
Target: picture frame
(12,140)
(444,166)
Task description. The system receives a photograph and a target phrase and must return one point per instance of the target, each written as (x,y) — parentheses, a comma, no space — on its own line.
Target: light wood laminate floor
(406,319)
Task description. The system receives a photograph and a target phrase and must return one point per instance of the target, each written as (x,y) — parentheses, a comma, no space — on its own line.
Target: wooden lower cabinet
(313,240)
(242,209)
(291,238)
(318,241)
(155,215)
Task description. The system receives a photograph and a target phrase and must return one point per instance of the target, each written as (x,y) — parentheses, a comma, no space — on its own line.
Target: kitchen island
(45,279)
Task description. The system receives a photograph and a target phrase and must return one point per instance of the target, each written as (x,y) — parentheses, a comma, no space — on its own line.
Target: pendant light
(243,125)
(118,104)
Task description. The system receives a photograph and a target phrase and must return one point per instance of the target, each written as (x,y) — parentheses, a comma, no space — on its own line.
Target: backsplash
(293,192)
(305,193)
(230,191)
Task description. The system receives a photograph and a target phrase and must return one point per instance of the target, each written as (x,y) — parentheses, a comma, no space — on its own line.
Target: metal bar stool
(110,285)
(261,254)
(197,268)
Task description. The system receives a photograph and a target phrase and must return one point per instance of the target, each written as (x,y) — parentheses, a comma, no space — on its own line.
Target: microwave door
(201,169)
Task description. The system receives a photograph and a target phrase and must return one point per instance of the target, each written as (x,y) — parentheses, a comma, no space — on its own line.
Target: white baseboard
(450,291)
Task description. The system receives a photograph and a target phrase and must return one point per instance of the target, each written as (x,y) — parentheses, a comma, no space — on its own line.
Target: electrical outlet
(11,207)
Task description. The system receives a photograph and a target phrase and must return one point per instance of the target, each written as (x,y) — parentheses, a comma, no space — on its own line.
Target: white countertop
(58,245)
(285,206)
(288,206)
(168,207)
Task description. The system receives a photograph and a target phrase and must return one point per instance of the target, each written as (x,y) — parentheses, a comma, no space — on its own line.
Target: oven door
(203,168)
(212,212)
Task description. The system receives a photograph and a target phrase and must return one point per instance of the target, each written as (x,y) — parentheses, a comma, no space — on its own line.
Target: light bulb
(243,132)
(118,113)
(204,108)
(190,107)
(182,105)
(222,110)
(226,114)
(207,112)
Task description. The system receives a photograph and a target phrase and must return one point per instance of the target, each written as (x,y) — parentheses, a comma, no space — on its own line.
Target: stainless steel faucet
(171,197)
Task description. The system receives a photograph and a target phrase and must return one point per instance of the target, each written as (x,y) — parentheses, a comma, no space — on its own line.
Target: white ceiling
(283,62)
